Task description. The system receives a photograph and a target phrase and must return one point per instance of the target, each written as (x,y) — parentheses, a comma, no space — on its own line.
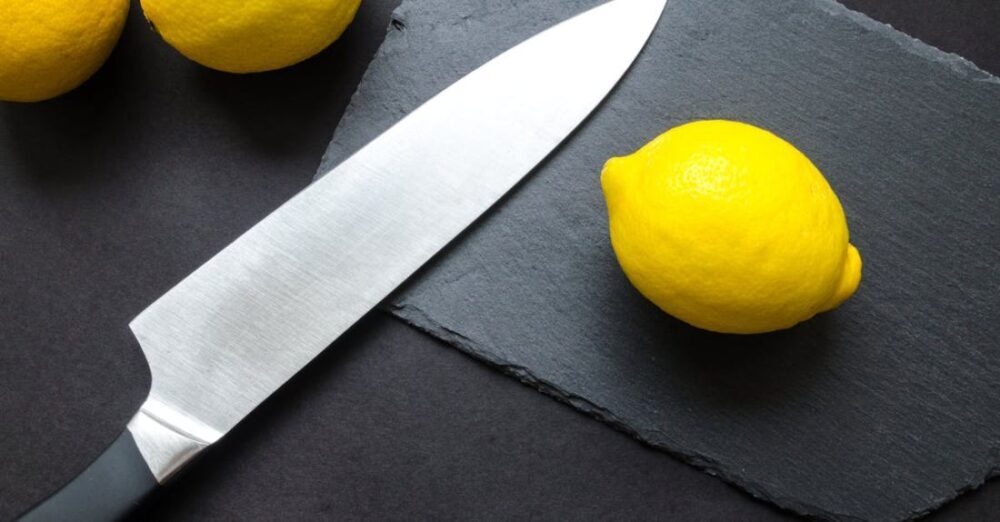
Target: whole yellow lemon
(729,228)
(49,47)
(243,36)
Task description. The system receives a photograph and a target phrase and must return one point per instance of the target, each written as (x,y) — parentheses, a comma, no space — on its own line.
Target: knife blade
(231,333)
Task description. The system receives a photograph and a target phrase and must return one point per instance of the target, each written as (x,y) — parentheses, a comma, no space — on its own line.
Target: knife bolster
(159,441)
(167,439)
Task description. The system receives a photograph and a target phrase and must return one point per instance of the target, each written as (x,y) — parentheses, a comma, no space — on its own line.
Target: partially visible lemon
(49,47)
(729,228)
(244,36)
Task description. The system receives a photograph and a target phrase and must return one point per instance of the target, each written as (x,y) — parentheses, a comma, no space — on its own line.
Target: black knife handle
(110,488)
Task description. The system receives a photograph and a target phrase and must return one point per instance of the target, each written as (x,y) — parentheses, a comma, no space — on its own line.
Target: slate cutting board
(882,410)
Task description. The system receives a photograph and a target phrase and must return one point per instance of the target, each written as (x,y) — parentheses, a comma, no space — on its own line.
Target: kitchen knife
(231,333)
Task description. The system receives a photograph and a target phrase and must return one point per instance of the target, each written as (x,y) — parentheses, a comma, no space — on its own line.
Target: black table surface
(116,191)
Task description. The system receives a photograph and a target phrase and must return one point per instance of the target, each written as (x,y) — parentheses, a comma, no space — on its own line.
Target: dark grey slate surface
(882,410)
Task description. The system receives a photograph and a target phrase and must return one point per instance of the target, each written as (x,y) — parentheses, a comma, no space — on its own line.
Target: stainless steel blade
(231,333)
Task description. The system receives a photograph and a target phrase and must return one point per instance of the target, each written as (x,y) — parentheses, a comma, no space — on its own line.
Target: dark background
(113,193)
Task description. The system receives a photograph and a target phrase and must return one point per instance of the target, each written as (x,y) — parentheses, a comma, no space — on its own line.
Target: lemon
(243,36)
(729,228)
(49,47)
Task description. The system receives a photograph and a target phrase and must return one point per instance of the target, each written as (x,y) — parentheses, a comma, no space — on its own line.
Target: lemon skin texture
(729,228)
(50,47)
(245,36)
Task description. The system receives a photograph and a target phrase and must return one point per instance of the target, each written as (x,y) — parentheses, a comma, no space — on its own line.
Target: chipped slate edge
(420,320)
(395,29)
(956,63)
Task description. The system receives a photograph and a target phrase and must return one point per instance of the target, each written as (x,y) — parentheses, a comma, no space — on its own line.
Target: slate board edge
(393,30)
(908,43)
(419,320)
